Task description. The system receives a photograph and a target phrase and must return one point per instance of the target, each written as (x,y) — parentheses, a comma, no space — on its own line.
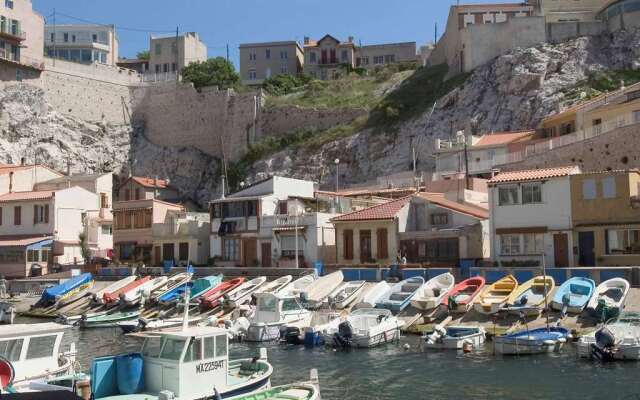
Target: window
(11,349)
(623,241)
(365,60)
(137,192)
(589,189)
(636,116)
(267,54)
(158,49)
(40,347)
(44,255)
(344,56)
(389,58)
(533,243)
(221,346)
(167,251)
(332,56)
(33,255)
(8,3)
(209,347)
(439,219)
(313,57)
(382,243)
(165,67)
(365,245)
(508,196)
(609,187)
(267,303)
(377,60)
(284,69)
(284,55)
(17,215)
(172,349)
(19,75)
(104,201)
(347,237)
(174,67)
(151,347)
(531,193)
(65,37)
(157,68)
(231,249)
(252,56)
(252,75)
(183,251)
(509,244)
(73,38)
(217,211)
(282,207)
(288,245)
(106,230)
(0,215)
(53,37)
(194,350)
(290,304)
(94,38)
(233,210)
(443,249)
(41,214)
(252,208)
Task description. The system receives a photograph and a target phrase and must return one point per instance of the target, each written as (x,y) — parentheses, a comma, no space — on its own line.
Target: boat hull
(426,304)
(624,352)
(488,309)
(263,332)
(522,346)
(456,343)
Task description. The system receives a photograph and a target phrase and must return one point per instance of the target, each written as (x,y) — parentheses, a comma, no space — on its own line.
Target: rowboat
(373,295)
(294,391)
(133,297)
(573,295)
(608,300)
(462,296)
(493,297)
(431,293)
(618,339)
(242,293)
(108,320)
(173,283)
(197,288)
(534,341)
(297,286)
(274,286)
(455,337)
(66,289)
(98,297)
(211,299)
(346,294)
(112,298)
(272,313)
(314,294)
(398,298)
(366,327)
(530,297)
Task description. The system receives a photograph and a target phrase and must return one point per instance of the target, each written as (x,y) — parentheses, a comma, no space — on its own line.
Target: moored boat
(461,297)
(398,298)
(272,313)
(608,299)
(531,341)
(346,294)
(573,295)
(133,297)
(297,286)
(294,391)
(242,293)
(212,298)
(455,337)
(373,295)
(433,291)
(618,339)
(98,296)
(366,327)
(108,320)
(531,297)
(274,286)
(314,294)
(174,282)
(113,298)
(67,289)
(198,288)
(493,297)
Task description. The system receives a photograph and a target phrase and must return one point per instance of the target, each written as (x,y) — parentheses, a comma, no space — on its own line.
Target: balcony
(7,55)
(12,33)
(289,221)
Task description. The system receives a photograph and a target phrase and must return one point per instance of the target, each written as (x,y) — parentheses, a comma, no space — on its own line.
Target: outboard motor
(524,300)
(604,347)
(290,335)
(344,337)
(566,299)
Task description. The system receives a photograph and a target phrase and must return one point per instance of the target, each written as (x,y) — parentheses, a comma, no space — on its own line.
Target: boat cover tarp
(49,295)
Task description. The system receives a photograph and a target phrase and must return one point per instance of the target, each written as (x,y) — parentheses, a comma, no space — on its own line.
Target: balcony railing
(12,32)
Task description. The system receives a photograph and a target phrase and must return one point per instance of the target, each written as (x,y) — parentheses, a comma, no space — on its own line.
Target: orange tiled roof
(464,208)
(150,182)
(534,174)
(500,138)
(22,196)
(381,211)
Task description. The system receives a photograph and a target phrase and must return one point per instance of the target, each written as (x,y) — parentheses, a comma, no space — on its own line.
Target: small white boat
(366,327)
(619,339)
(431,294)
(608,299)
(98,296)
(134,296)
(294,391)
(274,312)
(274,286)
(455,337)
(346,294)
(374,294)
(173,282)
(531,341)
(314,294)
(242,293)
(298,286)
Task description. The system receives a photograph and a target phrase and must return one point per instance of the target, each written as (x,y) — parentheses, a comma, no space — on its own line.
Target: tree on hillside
(143,55)
(213,72)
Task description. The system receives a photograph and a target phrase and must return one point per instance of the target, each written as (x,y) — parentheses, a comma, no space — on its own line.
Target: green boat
(108,320)
(294,391)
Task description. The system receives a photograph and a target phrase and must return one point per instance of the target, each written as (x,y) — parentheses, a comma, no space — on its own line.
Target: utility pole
(225,176)
(466,164)
(413,156)
(54,38)
(227,52)
(176,50)
(435,34)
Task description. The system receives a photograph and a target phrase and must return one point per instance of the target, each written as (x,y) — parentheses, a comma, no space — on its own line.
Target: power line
(124,28)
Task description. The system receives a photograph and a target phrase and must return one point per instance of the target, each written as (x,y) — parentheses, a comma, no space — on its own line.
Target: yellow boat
(529,298)
(495,296)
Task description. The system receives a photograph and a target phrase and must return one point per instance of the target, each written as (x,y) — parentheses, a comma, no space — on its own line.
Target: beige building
(143,188)
(260,61)
(378,55)
(182,238)
(169,55)
(568,10)
(21,40)
(326,58)
(82,43)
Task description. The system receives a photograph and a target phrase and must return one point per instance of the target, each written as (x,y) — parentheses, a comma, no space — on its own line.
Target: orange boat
(211,299)
(115,296)
(461,297)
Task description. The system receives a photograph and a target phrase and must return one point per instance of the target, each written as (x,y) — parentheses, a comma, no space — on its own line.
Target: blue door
(586,244)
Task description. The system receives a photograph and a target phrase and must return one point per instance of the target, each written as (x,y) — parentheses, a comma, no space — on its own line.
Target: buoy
(406,346)
(467,347)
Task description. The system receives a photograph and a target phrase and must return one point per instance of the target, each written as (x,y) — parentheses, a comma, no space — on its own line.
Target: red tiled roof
(150,182)
(21,240)
(534,174)
(22,196)
(381,211)
(500,138)
(464,208)
(6,168)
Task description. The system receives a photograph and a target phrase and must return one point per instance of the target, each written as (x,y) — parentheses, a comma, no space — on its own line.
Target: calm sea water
(391,372)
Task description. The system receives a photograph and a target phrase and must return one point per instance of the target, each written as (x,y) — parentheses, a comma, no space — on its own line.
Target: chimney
(11,182)
(350,39)
(306,40)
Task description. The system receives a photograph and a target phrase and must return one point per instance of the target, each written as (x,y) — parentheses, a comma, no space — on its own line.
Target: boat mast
(544,283)
(185,320)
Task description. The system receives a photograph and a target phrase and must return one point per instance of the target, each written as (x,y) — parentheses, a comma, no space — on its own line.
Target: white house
(259,225)
(183,237)
(530,214)
(20,178)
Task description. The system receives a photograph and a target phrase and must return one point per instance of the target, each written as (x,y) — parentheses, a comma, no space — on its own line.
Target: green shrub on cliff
(213,72)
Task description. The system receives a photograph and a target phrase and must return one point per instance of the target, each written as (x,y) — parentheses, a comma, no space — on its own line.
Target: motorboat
(431,294)
(531,341)
(373,295)
(297,286)
(212,298)
(366,327)
(70,288)
(113,298)
(175,282)
(274,286)
(398,298)
(494,297)
(608,299)
(314,294)
(272,313)
(189,364)
(345,294)
(311,335)
(135,296)
(242,293)
(455,337)
(573,295)
(294,391)
(460,299)
(197,289)
(618,339)
(98,296)
(530,298)
(108,320)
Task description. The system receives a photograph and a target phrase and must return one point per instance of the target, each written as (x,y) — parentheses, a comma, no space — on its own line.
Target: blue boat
(400,295)
(66,289)
(574,294)
(197,287)
(535,341)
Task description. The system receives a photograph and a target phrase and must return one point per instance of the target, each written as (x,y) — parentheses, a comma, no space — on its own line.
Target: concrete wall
(275,121)
(563,31)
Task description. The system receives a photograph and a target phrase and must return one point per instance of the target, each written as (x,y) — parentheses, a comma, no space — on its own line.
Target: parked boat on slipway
(618,339)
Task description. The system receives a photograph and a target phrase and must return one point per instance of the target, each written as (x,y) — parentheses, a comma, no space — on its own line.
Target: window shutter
(35,214)
(46,213)
(0,215)
(383,251)
(348,244)
(17,215)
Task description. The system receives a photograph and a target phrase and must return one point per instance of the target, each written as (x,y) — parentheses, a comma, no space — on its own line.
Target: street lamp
(337,162)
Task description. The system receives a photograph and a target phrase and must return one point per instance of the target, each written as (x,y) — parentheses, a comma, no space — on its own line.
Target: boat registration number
(209,366)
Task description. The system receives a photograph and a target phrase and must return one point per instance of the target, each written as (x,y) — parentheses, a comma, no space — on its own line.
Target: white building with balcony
(260,225)
(183,237)
(82,43)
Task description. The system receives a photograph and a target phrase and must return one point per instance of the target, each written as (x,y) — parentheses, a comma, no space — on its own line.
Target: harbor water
(393,372)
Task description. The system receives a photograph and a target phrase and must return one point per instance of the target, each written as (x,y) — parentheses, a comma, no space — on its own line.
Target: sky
(231,22)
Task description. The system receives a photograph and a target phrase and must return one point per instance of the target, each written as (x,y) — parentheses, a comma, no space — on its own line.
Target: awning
(40,245)
(288,228)
(23,241)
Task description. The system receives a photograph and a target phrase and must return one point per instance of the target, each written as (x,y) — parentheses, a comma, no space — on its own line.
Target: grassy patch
(600,83)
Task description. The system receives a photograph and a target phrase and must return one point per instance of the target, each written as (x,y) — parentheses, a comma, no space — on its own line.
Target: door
(157,258)
(561,250)
(586,253)
(168,252)
(265,252)
(249,252)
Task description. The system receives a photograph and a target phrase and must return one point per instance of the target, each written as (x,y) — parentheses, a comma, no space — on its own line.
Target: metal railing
(7,29)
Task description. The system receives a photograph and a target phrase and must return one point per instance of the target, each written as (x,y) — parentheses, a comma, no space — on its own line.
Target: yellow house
(606,218)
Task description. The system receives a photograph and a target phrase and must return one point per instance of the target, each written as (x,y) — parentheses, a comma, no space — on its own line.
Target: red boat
(463,295)
(211,299)
(115,296)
